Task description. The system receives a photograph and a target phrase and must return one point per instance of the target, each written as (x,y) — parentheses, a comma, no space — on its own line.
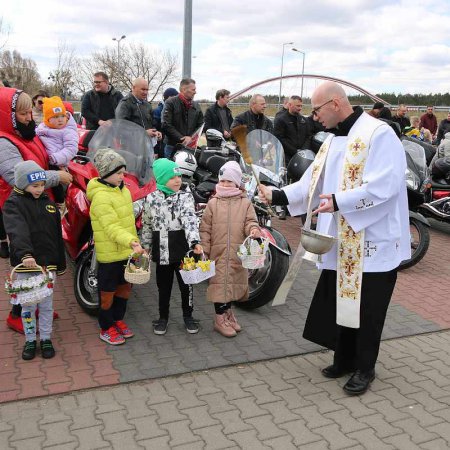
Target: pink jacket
(61,145)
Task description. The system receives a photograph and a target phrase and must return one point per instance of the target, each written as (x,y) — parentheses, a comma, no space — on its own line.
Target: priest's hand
(326,204)
(265,194)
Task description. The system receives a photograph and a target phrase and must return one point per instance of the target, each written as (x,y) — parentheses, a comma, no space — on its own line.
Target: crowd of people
(38,138)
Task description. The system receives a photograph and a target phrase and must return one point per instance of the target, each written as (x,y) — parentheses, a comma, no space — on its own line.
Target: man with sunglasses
(99,104)
(357,187)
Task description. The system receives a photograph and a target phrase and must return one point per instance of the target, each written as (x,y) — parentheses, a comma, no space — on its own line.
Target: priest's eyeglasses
(316,111)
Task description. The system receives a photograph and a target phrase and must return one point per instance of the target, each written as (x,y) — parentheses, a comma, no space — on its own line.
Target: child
(115,239)
(33,225)
(58,133)
(228,218)
(170,229)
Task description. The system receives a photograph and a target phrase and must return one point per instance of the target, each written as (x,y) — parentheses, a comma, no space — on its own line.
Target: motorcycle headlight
(412,180)
(138,206)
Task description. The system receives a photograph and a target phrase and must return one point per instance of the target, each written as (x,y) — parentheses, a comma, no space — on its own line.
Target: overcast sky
(381,45)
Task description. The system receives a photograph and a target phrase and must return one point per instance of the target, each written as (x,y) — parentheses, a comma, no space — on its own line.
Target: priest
(357,187)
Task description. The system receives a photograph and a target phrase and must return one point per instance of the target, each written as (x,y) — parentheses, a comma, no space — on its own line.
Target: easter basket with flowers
(137,270)
(252,252)
(194,272)
(29,291)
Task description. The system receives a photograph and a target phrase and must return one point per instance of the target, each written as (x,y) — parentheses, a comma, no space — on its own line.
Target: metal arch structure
(316,77)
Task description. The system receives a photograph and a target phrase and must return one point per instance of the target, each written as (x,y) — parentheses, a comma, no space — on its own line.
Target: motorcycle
(417,183)
(269,167)
(130,141)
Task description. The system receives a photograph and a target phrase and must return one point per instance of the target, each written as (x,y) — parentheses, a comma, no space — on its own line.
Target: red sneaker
(123,329)
(111,336)
(15,323)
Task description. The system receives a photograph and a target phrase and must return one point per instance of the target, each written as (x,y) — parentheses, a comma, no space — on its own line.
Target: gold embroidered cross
(357,146)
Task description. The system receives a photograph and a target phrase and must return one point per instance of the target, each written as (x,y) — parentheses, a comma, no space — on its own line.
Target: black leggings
(164,281)
(222,308)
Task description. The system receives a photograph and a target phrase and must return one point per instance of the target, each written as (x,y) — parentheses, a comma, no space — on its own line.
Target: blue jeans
(169,151)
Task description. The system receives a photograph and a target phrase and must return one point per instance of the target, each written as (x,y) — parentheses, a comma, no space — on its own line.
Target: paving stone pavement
(282,403)
(83,361)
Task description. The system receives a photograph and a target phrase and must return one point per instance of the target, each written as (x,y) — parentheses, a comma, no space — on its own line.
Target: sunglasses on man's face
(40,102)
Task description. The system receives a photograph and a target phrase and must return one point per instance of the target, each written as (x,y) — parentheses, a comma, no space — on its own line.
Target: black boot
(47,350)
(359,382)
(335,371)
(29,350)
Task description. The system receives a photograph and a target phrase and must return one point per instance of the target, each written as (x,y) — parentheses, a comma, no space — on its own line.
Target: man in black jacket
(254,118)
(99,104)
(401,118)
(292,129)
(444,127)
(218,116)
(135,107)
(182,116)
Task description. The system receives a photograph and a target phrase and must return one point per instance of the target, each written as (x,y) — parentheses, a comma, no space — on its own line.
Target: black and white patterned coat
(169,226)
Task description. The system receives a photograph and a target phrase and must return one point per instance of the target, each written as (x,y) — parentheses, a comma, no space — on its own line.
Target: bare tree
(158,68)
(4,33)
(61,78)
(21,72)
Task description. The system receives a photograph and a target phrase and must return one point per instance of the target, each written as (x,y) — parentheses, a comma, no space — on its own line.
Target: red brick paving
(424,288)
(81,359)
(83,362)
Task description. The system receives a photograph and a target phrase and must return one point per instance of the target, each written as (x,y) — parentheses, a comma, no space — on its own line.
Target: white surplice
(379,205)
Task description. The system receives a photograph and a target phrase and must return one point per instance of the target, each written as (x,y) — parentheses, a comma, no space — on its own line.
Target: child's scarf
(224,191)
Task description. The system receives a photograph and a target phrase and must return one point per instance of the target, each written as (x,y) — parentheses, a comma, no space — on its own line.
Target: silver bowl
(315,242)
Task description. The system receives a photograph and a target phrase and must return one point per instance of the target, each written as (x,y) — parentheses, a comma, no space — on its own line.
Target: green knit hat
(164,169)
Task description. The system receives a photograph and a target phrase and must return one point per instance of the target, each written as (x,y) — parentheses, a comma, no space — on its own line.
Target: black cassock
(355,348)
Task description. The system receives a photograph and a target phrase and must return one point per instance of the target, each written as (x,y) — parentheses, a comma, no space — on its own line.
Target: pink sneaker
(122,328)
(111,336)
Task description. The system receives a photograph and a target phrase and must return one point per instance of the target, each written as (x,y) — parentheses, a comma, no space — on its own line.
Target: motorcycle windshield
(417,158)
(131,142)
(267,154)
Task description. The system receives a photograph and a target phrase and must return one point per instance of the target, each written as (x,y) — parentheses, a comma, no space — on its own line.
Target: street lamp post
(281,74)
(118,49)
(303,68)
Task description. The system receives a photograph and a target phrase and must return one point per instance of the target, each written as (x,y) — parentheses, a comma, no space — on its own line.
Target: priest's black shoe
(359,382)
(335,371)
(4,249)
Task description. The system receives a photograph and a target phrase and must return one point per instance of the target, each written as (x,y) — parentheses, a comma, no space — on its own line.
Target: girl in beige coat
(228,218)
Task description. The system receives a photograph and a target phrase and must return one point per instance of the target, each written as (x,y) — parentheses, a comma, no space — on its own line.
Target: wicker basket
(198,275)
(31,290)
(254,261)
(141,277)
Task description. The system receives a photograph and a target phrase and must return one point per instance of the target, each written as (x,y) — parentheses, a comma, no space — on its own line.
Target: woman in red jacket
(18,142)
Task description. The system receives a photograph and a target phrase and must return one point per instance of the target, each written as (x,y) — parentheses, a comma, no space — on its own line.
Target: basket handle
(144,255)
(263,239)
(192,251)
(21,265)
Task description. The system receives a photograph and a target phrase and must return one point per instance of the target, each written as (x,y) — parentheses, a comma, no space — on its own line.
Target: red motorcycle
(130,141)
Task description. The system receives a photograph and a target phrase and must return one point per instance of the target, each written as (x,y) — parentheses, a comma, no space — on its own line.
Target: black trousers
(354,348)
(164,281)
(58,191)
(2,227)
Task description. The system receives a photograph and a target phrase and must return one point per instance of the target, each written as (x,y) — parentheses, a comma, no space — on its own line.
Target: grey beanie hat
(28,172)
(107,162)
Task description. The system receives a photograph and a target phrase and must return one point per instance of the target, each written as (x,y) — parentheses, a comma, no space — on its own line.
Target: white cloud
(384,46)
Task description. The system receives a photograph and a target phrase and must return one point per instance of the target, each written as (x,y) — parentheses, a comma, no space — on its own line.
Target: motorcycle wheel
(420,241)
(85,284)
(263,283)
